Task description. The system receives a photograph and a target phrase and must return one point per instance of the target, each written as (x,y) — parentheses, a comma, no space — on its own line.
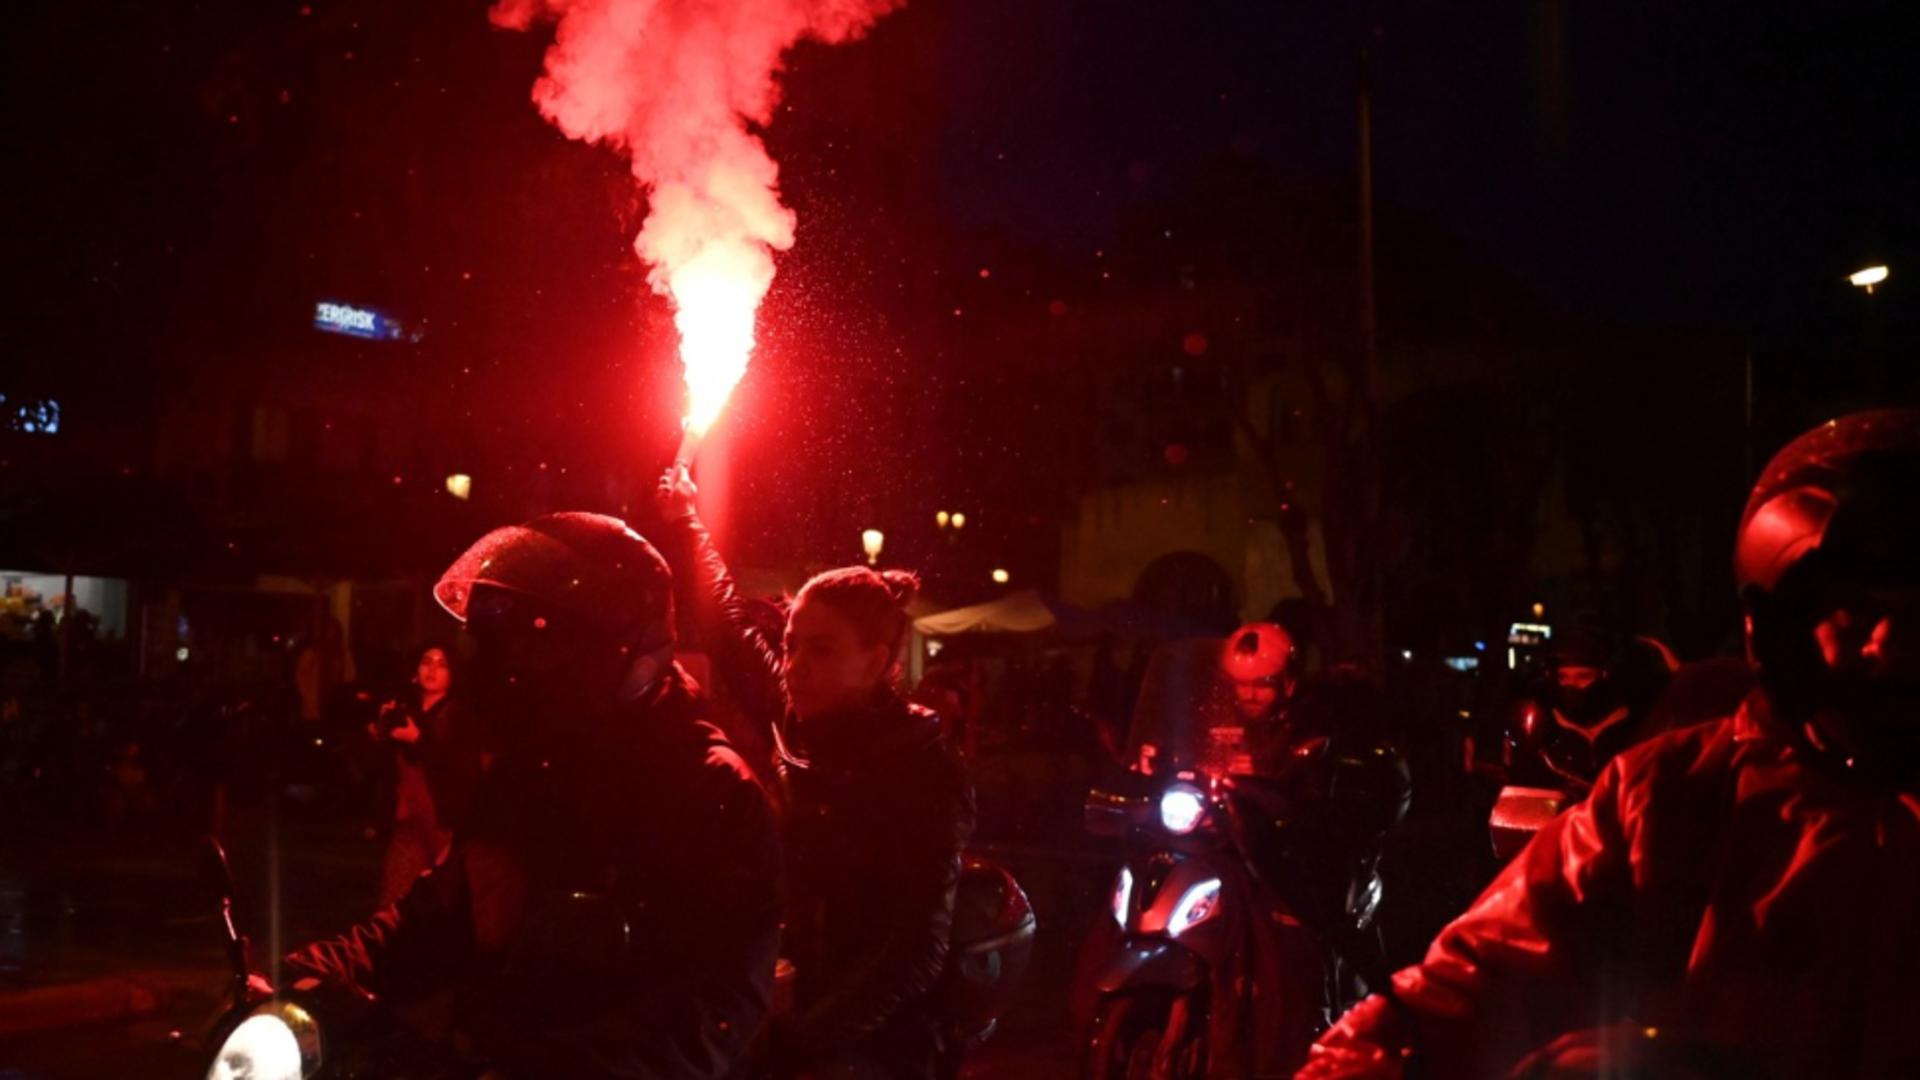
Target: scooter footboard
(1149,963)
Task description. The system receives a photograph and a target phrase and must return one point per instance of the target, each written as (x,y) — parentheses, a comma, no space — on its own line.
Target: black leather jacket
(1328,787)
(875,812)
(650,815)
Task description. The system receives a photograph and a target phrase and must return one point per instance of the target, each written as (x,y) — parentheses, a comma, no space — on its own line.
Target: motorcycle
(990,948)
(324,1031)
(1221,956)
(306,1032)
(263,1034)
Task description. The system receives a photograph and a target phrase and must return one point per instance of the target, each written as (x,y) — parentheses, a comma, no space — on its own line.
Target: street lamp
(871,541)
(460,486)
(1868,277)
(1001,577)
(1864,278)
(942,519)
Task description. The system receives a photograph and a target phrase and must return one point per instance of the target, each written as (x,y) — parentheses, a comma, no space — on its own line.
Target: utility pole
(1367,591)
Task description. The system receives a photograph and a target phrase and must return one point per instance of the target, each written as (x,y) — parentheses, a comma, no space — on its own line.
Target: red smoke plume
(673,85)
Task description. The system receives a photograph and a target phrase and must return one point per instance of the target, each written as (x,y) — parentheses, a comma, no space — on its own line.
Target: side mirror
(219,874)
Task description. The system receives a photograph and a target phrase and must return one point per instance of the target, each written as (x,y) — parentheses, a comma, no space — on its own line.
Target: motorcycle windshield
(1184,718)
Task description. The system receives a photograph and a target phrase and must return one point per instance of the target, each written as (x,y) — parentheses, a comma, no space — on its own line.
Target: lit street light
(871,541)
(1869,277)
(1001,577)
(460,486)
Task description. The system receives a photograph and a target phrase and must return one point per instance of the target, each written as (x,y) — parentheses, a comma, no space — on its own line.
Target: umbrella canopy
(1023,612)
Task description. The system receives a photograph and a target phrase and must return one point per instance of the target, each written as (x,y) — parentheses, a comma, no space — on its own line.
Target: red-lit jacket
(1722,889)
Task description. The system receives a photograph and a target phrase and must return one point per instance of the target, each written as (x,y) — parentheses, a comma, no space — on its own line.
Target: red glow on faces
(1576,676)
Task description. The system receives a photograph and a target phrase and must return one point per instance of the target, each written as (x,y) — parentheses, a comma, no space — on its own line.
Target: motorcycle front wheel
(1127,1036)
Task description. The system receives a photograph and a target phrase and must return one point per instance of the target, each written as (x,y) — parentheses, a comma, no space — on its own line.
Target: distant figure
(46,645)
(438,758)
(1601,687)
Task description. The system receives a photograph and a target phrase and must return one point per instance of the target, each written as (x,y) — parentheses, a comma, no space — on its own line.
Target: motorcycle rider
(609,905)
(1335,784)
(875,809)
(1315,788)
(1258,662)
(1601,686)
(1734,898)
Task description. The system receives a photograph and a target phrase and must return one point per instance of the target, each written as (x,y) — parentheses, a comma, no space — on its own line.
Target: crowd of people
(1723,886)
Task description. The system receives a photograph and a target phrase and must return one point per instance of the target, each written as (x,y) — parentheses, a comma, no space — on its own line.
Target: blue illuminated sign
(336,318)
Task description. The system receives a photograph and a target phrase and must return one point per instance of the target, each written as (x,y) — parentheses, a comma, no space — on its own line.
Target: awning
(1024,612)
(1028,612)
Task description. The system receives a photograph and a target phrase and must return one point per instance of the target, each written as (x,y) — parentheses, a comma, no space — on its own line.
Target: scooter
(264,1034)
(318,1031)
(326,1031)
(1192,919)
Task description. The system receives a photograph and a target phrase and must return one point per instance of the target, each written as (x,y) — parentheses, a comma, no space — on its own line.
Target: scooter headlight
(1122,896)
(1181,808)
(280,1041)
(1196,906)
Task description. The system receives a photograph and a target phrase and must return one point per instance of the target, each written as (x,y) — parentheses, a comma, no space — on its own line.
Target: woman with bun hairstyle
(875,807)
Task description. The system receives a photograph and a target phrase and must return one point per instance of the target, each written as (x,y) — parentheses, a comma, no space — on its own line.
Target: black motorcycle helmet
(1594,672)
(1833,515)
(574,605)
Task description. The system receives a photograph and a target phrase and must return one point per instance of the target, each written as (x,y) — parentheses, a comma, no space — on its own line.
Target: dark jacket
(435,777)
(648,810)
(1723,891)
(874,818)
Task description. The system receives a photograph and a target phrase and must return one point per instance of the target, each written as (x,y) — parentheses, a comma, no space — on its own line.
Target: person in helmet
(1600,688)
(609,904)
(876,809)
(1734,898)
(1257,661)
(1317,790)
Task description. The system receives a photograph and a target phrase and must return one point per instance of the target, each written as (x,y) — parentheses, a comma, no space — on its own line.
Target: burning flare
(673,85)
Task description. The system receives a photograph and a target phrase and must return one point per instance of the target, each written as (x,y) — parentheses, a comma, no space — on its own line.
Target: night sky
(194,176)
(1694,163)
